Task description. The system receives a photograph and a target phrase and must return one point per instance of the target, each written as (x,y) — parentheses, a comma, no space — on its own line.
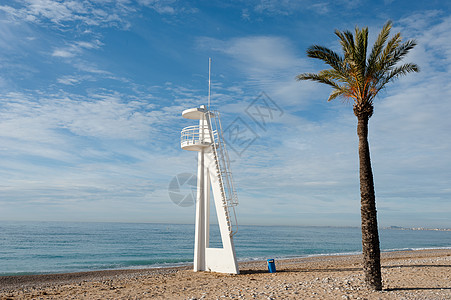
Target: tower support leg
(200,232)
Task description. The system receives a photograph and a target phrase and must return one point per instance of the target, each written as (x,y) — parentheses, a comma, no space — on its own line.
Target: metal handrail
(192,135)
(221,155)
(232,197)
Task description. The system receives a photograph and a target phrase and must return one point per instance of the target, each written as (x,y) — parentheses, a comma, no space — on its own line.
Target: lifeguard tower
(214,174)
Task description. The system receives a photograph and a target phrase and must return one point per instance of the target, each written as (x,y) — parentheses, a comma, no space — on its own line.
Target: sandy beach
(422,274)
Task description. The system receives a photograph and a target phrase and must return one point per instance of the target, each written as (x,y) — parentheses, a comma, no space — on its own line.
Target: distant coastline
(417,228)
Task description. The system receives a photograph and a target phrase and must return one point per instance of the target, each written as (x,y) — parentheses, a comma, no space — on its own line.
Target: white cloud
(63,53)
(61,13)
(90,68)
(89,45)
(76,48)
(288,7)
(161,6)
(68,80)
(53,10)
(9,41)
(168,7)
(38,118)
(262,53)
(62,150)
(270,64)
(431,31)
(245,14)
(73,18)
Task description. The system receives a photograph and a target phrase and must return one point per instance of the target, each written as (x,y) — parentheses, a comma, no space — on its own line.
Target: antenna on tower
(209,81)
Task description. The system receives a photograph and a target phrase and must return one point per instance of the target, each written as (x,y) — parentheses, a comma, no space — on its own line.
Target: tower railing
(222,161)
(192,135)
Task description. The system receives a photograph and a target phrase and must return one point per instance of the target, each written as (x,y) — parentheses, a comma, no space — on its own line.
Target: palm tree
(359,77)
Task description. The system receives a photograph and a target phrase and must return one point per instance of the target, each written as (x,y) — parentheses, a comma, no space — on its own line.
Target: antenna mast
(209,82)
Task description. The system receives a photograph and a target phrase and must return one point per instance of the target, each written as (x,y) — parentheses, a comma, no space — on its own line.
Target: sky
(91,96)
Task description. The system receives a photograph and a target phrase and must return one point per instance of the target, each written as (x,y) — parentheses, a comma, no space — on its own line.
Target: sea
(61,247)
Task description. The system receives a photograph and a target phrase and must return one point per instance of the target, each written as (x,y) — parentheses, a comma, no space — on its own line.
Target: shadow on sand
(417,289)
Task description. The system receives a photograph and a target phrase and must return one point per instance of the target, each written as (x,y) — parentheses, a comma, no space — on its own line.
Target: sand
(406,275)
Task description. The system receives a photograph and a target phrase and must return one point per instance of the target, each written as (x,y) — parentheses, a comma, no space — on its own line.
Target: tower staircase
(223,170)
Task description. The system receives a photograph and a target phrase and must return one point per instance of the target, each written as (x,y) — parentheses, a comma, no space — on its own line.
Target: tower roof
(195,113)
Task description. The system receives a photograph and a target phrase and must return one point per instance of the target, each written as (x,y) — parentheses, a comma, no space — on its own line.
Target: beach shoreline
(418,274)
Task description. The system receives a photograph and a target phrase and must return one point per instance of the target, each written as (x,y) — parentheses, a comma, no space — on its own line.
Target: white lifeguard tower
(214,174)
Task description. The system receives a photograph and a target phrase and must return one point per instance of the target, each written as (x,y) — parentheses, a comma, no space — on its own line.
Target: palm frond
(385,60)
(318,78)
(337,93)
(333,74)
(403,50)
(328,56)
(347,44)
(378,47)
(396,72)
(361,42)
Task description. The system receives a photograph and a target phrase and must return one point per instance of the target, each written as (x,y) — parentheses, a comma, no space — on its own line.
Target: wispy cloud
(73,80)
(61,13)
(269,62)
(105,115)
(161,6)
(63,53)
(168,7)
(72,32)
(288,7)
(76,48)
(60,150)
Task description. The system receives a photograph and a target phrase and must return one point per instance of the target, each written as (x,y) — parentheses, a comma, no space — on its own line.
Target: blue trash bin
(271,265)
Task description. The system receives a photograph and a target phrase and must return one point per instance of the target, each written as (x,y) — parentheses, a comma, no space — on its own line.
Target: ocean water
(58,247)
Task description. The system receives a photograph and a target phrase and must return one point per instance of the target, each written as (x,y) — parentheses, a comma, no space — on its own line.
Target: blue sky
(91,95)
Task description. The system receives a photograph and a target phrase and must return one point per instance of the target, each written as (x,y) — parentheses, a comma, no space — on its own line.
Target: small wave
(261,258)
(416,249)
(156,265)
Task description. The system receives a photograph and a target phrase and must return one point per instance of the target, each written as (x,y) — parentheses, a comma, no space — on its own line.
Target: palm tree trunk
(370,236)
